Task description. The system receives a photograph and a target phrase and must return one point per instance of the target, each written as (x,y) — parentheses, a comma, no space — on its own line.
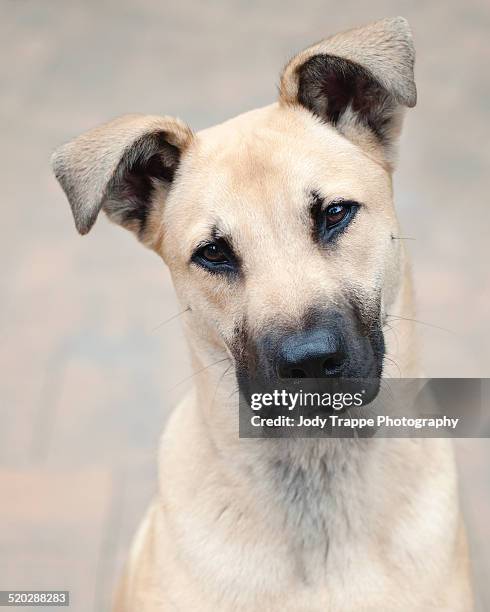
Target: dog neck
(311,491)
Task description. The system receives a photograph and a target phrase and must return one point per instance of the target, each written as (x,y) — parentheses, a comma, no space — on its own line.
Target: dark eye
(333,219)
(213,253)
(336,213)
(216,256)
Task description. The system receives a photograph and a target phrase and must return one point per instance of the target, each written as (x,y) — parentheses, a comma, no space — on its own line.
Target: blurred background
(88,373)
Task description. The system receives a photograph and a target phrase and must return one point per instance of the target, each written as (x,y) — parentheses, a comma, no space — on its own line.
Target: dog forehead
(278,141)
(267,138)
(274,156)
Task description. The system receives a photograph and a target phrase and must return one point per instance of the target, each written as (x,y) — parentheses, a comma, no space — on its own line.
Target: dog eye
(213,253)
(336,213)
(216,257)
(334,219)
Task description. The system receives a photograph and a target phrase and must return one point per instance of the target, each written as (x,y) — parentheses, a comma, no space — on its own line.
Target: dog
(279,229)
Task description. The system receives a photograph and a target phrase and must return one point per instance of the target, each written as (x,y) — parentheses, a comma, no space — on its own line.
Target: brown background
(86,379)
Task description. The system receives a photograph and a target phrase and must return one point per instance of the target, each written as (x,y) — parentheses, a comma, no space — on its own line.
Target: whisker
(385,386)
(175,316)
(402,237)
(237,390)
(198,372)
(390,328)
(224,374)
(394,363)
(221,379)
(449,331)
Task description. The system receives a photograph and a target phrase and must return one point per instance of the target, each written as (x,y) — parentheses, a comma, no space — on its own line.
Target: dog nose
(315,353)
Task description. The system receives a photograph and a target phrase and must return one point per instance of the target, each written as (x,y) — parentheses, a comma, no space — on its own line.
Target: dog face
(285,258)
(277,225)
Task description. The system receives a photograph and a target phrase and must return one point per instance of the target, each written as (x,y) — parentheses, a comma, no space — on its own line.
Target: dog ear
(358,81)
(124,167)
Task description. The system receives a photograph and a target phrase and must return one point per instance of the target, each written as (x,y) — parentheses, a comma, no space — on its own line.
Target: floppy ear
(358,81)
(124,167)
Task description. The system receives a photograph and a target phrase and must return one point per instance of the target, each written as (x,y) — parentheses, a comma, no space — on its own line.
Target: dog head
(276,225)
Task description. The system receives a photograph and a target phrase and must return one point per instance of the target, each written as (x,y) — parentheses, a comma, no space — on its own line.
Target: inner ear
(149,163)
(124,167)
(359,81)
(333,87)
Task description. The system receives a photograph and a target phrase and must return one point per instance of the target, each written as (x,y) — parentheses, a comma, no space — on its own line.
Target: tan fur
(369,526)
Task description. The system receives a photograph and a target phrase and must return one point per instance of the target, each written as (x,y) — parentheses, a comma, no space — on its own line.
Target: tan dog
(278,229)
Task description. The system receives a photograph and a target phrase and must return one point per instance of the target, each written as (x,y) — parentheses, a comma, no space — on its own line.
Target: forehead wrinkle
(212,228)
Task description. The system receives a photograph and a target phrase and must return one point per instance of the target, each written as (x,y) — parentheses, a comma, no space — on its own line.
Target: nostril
(293,370)
(297,373)
(333,362)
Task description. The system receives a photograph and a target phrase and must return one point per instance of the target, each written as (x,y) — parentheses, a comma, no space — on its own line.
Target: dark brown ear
(124,167)
(358,81)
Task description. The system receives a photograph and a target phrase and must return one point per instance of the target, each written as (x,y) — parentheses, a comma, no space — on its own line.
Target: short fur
(281,525)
